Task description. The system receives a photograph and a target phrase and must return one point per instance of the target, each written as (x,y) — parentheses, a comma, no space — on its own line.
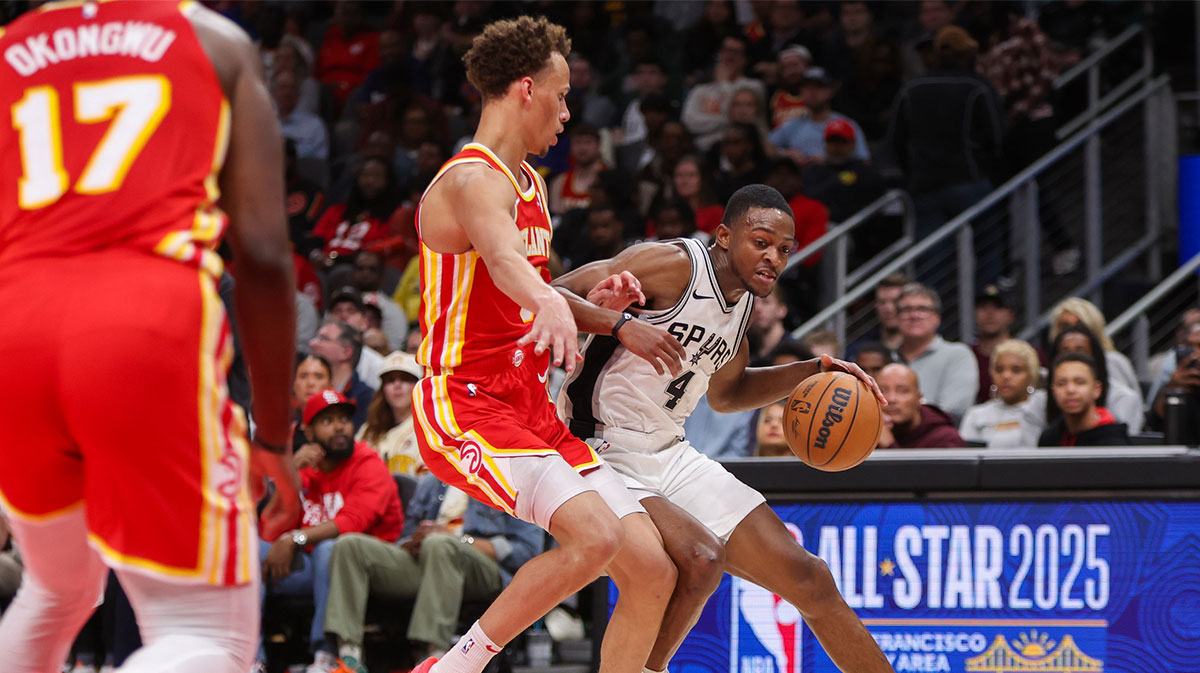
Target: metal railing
(1137,317)
(1092,65)
(1026,231)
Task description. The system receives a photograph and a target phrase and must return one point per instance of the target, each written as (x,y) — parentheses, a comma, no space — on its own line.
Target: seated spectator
(872,357)
(308,320)
(348,51)
(1179,374)
(362,219)
(664,150)
(907,423)
(844,183)
(787,352)
(374,338)
(947,370)
(1076,310)
(692,183)
(341,346)
(346,489)
(674,219)
(296,56)
(389,427)
(823,342)
(454,548)
(993,323)
(368,278)
(770,441)
(867,92)
(810,215)
(584,100)
(887,330)
(648,78)
(803,139)
(304,200)
(428,57)
(706,108)
(1016,414)
(570,190)
(605,237)
(304,128)
(767,329)
(851,43)
(348,306)
(1077,396)
(747,107)
(717,435)
(741,160)
(787,103)
(312,375)
(706,36)
(1125,404)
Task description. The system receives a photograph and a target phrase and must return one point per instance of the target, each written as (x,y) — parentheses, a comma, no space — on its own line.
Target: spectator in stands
(367,277)
(947,370)
(767,331)
(1016,413)
(362,219)
(347,305)
(1181,377)
(887,331)
(1164,362)
(304,128)
(673,218)
(341,346)
(346,489)
(454,548)
(649,78)
(844,183)
(1125,403)
(932,17)
(570,190)
(811,216)
(304,199)
(692,182)
(803,139)
(993,323)
(785,21)
(946,132)
(823,342)
(867,92)
(428,57)
(852,42)
(374,338)
(313,374)
(770,441)
(605,236)
(706,36)
(872,357)
(348,51)
(907,423)
(308,320)
(295,56)
(584,100)
(1076,310)
(706,108)
(665,149)
(749,107)
(787,103)
(389,427)
(1077,393)
(741,160)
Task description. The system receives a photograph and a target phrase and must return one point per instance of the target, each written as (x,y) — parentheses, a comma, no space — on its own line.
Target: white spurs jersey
(614,389)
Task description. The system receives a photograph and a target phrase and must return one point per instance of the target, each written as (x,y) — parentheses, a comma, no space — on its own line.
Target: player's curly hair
(511,49)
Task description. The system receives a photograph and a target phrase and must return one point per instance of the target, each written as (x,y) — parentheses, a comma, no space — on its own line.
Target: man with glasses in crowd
(947,370)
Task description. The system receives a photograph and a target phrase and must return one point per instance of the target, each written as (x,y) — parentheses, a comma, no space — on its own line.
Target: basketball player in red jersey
(130,123)
(491,324)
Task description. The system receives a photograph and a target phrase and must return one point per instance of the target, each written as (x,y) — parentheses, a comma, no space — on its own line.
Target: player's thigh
(164,447)
(693,481)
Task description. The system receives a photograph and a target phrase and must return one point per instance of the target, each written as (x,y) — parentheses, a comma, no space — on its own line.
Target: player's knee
(701,567)
(596,550)
(661,575)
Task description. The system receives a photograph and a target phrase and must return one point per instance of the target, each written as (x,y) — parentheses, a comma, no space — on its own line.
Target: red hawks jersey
(118,130)
(465,318)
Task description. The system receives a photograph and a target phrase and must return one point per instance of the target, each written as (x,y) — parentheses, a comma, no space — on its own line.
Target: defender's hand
(617,292)
(554,330)
(654,345)
(283,510)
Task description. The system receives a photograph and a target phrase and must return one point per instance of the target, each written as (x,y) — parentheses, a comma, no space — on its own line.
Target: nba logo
(765,629)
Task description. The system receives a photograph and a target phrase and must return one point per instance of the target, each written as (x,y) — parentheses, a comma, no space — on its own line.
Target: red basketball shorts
(115,401)
(470,420)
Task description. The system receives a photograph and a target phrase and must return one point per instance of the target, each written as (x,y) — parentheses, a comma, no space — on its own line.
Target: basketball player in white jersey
(633,415)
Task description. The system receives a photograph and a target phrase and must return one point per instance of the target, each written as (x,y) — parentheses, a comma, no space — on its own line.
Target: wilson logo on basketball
(833,415)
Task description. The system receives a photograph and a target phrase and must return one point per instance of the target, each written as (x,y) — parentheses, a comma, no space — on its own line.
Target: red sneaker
(425,666)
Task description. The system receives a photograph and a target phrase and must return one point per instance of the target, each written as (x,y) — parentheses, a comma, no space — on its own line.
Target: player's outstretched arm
(738,387)
(251,182)
(611,285)
(481,202)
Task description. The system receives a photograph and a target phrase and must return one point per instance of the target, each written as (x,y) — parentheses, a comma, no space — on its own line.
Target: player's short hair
(754,196)
(510,49)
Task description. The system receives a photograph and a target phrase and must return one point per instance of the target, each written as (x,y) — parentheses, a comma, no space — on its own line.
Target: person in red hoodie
(346,489)
(1076,389)
(908,424)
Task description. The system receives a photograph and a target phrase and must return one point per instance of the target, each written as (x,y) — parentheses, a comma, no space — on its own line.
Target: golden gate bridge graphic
(1034,651)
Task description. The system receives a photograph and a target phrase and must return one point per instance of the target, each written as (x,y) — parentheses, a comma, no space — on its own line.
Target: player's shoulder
(227,46)
(472,179)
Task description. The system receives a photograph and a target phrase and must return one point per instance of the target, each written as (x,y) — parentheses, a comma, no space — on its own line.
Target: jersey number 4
(135,105)
(676,388)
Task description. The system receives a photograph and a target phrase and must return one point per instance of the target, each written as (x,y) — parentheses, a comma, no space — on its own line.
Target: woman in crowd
(389,427)
(1073,311)
(1016,414)
(1124,403)
(1077,392)
(692,182)
(362,219)
(769,438)
(313,374)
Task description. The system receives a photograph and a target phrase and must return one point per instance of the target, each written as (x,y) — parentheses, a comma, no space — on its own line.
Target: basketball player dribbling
(491,325)
(122,447)
(633,415)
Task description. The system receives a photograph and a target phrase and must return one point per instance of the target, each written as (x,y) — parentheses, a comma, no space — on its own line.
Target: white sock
(647,669)
(470,654)
(350,650)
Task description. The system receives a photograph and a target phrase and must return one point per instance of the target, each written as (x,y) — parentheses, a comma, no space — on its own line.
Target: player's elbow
(722,403)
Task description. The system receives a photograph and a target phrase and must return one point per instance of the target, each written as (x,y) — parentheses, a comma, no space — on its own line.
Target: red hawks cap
(323,400)
(840,128)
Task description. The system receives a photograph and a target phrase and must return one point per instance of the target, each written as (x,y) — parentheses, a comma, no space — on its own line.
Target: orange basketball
(832,421)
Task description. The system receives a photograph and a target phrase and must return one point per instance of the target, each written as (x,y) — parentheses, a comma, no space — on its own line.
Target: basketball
(832,421)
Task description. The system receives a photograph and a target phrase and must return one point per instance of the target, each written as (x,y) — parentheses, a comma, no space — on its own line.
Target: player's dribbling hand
(831,364)
(283,510)
(553,329)
(654,345)
(617,292)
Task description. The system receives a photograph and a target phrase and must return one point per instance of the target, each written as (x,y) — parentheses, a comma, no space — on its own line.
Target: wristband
(625,317)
